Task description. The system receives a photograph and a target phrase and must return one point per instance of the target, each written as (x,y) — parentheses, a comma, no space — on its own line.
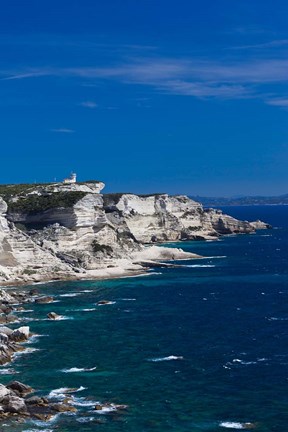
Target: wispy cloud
(63,130)
(281,102)
(32,74)
(270,44)
(200,78)
(89,104)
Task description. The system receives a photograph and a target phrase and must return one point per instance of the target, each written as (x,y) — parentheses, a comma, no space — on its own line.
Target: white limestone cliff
(89,233)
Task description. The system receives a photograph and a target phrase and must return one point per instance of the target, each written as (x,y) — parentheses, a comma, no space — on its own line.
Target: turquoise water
(200,348)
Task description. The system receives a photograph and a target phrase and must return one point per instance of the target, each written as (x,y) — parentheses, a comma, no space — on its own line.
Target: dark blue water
(200,348)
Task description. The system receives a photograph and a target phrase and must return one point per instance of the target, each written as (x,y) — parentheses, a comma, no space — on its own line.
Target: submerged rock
(36,400)
(46,299)
(103,302)
(60,407)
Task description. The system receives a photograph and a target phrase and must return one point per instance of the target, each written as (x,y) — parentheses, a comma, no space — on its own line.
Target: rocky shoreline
(58,233)
(17,402)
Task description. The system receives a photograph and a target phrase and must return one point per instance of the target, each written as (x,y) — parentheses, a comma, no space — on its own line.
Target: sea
(203,347)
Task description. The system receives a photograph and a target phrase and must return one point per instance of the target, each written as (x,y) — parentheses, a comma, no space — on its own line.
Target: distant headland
(242,201)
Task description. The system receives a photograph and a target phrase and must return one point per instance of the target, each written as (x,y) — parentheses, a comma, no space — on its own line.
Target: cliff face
(50,233)
(21,257)
(160,218)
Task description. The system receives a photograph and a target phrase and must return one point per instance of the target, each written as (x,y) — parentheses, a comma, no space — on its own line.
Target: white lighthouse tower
(71,179)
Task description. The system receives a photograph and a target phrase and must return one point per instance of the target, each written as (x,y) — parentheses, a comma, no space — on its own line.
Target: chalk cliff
(53,233)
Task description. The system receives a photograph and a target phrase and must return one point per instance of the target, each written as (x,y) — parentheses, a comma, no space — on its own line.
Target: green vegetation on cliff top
(7,191)
(33,204)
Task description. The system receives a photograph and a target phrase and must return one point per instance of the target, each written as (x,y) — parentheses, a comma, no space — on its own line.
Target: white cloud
(281,102)
(271,44)
(63,130)
(89,104)
(190,77)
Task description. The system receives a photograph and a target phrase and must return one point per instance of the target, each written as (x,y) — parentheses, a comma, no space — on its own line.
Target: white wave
(86,291)
(106,409)
(236,425)
(75,369)
(8,371)
(63,391)
(137,275)
(106,303)
(44,423)
(277,319)
(26,351)
(215,257)
(128,299)
(81,402)
(69,295)
(171,357)
(38,430)
(82,310)
(245,362)
(85,419)
(199,265)
(59,318)
(24,311)
(34,339)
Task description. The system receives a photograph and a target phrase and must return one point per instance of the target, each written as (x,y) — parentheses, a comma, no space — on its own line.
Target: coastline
(18,404)
(118,268)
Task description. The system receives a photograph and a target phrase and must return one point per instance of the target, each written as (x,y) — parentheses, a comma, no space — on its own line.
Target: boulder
(19,387)
(60,407)
(4,392)
(36,400)
(5,297)
(21,334)
(6,330)
(15,404)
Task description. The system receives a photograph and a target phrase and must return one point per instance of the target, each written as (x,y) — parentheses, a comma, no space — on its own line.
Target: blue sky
(148,96)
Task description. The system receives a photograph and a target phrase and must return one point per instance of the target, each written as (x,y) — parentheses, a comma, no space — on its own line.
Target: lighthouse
(71,179)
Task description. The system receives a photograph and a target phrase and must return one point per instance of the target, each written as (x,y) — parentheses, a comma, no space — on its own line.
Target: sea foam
(169,358)
(75,370)
(235,425)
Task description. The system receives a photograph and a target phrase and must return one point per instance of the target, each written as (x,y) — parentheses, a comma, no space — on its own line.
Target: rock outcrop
(70,231)
(14,403)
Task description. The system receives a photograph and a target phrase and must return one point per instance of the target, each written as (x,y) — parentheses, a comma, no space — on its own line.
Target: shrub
(33,204)
(97,247)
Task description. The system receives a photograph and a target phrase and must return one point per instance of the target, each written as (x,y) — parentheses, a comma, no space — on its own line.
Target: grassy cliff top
(33,204)
(8,191)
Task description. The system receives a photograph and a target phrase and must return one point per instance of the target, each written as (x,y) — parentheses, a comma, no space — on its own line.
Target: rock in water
(44,300)
(53,316)
(21,334)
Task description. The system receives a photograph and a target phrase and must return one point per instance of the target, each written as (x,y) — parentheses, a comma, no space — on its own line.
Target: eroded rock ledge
(52,233)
